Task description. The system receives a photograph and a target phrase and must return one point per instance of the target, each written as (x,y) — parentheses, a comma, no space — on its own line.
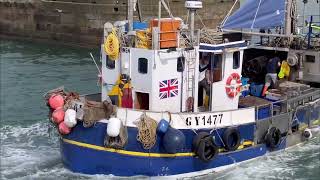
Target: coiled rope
(147,128)
(111,45)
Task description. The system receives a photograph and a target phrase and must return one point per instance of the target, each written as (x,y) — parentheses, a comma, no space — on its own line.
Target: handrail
(286,102)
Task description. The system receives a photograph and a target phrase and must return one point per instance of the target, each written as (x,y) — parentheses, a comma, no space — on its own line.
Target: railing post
(310,32)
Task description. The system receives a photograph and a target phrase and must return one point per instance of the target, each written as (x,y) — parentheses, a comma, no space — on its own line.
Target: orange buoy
(56,101)
(58,115)
(63,128)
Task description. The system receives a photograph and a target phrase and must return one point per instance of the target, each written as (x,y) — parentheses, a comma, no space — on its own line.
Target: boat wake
(298,162)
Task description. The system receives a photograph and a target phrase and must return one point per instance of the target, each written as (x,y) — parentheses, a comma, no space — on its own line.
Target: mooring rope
(147,134)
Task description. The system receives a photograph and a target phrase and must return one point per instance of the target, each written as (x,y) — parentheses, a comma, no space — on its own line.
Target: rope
(255,16)
(203,25)
(143,39)
(228,14)
(111,45)
(147,134)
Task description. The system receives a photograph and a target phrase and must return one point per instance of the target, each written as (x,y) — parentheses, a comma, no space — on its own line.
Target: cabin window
(236,60)
(110,64)
(143,65)
(180,64)
(310,59)
(217,68)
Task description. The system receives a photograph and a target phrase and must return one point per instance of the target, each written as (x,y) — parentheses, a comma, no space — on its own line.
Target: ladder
(191,66)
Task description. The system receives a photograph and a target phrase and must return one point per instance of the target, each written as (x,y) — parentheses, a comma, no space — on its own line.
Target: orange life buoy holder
(233,85)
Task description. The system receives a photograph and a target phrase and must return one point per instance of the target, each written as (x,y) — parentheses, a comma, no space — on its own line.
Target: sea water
(30,148)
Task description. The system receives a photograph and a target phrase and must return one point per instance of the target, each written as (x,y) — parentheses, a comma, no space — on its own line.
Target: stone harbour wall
(80,22)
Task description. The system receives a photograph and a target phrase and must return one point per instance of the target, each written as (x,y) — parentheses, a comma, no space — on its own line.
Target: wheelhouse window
(110,64)
(217,68)
(180,64)
(310,59)
(236,60)
(143,65)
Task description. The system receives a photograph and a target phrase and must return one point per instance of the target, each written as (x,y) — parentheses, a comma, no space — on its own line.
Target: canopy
(257,14)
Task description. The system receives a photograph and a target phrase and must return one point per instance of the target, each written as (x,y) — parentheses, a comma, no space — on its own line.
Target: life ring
(204,147)
(233,85)
(231,139)
(273,137)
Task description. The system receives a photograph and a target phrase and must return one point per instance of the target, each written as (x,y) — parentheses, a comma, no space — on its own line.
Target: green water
(30,151)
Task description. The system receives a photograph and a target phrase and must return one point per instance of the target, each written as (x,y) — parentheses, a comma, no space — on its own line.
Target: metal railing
(288,105)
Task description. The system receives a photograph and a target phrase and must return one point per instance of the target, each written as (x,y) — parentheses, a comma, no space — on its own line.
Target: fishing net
(95,111)
(147,128)
(69,98)
(117,142)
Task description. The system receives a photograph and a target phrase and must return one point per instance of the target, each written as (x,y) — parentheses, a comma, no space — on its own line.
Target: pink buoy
(56,101)
(63,128)
(58,115)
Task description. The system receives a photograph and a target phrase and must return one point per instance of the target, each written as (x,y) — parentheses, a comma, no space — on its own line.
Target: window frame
(108,61)
(146,65)
(236,60)
(308,60)
(181,63)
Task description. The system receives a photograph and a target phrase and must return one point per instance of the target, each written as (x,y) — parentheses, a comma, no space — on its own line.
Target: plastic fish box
(256,89)
(168,31)
(264,112)
(245,93)
(244,81)
(262,106)
(138,26)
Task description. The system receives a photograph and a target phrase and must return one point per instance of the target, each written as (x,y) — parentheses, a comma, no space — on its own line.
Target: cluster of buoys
(173,140)
(64,119)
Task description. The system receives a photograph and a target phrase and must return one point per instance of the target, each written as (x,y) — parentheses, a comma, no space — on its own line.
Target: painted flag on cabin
(168,88)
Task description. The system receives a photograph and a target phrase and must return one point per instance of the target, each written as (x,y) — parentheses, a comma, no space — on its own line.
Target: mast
(130,15)
(288,20)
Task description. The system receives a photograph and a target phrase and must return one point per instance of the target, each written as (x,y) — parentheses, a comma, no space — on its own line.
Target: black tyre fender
(204,147)
(273,137)
(196,140)
(231,139)
(207,150)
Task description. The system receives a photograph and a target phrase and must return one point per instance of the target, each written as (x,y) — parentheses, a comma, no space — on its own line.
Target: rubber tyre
(231,134)
(273,137)
(207,150)
(196,140)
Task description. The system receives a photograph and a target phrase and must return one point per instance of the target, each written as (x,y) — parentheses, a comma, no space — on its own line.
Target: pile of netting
(95,111)
(147,134)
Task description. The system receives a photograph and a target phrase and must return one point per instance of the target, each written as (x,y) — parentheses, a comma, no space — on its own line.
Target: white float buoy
(307,133)
(114,125)
(70,118)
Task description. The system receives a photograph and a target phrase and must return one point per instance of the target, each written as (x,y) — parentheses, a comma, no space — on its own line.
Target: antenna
(192,6)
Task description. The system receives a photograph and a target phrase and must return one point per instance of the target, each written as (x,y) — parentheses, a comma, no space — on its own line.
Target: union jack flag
(168,88)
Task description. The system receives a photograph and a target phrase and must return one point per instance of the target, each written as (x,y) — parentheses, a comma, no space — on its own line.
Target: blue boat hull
(82,151)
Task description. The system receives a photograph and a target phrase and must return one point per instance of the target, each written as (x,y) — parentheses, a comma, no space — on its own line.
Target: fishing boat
(174,103)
